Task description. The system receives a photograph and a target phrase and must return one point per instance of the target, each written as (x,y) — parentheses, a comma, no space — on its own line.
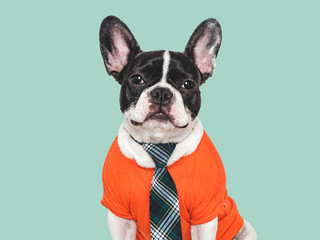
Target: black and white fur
(160,100)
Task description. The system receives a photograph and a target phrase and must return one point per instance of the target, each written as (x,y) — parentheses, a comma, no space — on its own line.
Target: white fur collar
(131,149)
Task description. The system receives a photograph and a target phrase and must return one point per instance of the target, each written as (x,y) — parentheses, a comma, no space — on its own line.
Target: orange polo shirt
(201,185)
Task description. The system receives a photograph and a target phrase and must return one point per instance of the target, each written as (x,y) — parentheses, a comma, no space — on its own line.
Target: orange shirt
(201,184)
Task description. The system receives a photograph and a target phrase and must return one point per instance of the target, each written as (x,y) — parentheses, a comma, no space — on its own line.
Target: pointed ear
(117,45)
(203,46)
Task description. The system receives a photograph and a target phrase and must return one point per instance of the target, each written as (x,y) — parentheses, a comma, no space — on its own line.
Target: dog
(160,100)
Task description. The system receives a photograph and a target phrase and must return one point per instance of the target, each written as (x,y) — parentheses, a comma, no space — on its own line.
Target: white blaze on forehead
(165,66)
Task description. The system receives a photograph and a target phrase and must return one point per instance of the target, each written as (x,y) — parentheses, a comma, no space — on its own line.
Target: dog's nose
(161,96)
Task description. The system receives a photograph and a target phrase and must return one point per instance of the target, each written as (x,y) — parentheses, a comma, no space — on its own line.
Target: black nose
(161,96)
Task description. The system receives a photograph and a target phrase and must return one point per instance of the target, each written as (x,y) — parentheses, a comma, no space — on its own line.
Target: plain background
(60,110)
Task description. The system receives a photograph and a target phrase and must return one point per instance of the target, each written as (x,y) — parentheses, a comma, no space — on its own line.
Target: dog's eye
(188,84)
(137,79)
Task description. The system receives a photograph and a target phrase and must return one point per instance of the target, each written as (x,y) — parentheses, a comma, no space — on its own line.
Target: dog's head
(160,94)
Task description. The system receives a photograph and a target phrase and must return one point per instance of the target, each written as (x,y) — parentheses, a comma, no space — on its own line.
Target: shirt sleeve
(114,198)
(209,189)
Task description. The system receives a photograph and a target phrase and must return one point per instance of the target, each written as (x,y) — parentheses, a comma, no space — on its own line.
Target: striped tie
(164,204)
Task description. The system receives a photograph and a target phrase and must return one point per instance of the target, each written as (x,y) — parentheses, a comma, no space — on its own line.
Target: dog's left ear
(203,46)
(117,45)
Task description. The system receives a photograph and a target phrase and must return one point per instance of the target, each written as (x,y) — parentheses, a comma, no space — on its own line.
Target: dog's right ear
(117,45)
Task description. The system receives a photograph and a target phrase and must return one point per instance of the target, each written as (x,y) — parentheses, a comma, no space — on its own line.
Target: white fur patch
(121,228)
(246,232)
(206,231)
(165,66)
(131,149)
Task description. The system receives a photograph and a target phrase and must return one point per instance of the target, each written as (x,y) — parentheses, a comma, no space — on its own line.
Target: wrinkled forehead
(164,66)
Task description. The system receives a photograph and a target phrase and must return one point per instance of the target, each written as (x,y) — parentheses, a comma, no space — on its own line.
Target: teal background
(60,112)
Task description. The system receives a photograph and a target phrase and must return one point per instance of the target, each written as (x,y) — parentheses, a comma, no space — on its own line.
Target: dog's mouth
(135,123)
(159,116)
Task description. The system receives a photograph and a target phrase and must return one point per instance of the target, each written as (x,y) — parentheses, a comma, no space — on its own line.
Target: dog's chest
(196,176)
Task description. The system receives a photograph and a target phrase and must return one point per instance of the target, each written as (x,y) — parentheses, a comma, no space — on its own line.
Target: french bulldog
(160,100)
